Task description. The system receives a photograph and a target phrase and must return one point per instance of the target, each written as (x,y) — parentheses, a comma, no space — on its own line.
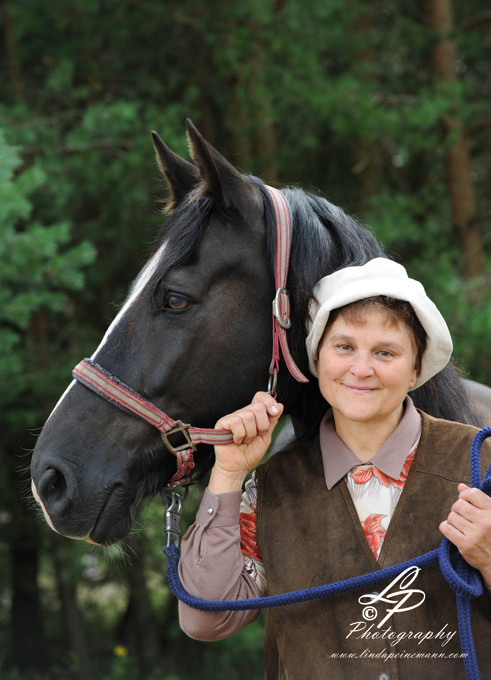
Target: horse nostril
(52,485)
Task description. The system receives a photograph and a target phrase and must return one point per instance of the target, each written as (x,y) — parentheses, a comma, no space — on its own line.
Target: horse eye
(177,303)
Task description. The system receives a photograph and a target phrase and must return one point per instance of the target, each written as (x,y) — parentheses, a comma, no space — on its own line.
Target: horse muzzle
(105,520)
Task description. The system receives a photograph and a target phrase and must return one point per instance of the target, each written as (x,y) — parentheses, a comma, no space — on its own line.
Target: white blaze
(138,286)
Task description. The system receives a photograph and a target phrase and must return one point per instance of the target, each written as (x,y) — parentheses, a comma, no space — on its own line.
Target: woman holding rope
(379,484)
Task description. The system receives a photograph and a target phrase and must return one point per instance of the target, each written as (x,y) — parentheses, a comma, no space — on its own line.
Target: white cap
(379,277)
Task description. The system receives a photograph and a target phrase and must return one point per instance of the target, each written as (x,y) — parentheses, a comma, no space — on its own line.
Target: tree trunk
(139,621)
(27,641)
(28,648)
(264,142)
(459,178)
(72,620)
(364,151)
(14,69)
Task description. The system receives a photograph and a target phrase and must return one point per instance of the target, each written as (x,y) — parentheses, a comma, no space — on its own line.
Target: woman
(379,485)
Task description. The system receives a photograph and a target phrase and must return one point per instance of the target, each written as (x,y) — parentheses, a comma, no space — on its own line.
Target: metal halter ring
(285,323)
(273,383)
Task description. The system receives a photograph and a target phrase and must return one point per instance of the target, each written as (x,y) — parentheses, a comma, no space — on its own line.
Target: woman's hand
(252,427)
(468,526)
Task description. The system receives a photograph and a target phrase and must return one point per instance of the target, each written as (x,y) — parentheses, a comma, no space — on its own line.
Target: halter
(118,393)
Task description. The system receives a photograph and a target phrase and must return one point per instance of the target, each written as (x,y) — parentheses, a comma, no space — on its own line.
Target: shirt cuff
(219,510)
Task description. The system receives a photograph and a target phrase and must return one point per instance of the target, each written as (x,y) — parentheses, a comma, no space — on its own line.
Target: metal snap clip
(173,513)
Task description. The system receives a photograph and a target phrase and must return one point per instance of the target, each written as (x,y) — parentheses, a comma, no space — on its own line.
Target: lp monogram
(403,598)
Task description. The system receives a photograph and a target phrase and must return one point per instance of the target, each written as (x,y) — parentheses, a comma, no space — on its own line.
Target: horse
(194,338)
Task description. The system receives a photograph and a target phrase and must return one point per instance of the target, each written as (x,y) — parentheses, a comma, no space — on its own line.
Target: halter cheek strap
(281,302)
(116,392)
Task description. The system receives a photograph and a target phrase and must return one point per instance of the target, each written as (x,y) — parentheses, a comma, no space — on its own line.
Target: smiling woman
(376,486)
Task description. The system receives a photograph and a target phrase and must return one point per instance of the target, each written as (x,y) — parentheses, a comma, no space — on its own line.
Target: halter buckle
(284,321)
(184,429)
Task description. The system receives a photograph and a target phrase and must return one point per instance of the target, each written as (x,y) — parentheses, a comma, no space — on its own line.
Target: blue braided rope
(283,599)
(464,580)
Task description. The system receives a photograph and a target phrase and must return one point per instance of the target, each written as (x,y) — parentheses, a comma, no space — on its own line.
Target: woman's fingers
(243,426)
(255,419)
(273,408)
(468,526)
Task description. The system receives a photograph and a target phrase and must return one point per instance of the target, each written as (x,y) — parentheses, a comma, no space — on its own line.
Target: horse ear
(182,177)
(220,178)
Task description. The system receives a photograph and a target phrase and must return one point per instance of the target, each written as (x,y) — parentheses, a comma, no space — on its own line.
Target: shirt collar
(338,459)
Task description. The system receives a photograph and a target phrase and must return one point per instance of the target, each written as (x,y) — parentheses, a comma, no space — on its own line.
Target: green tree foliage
(341,96)
(41,267)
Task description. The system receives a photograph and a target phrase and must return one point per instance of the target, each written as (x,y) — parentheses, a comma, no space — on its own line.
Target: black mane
(182,233)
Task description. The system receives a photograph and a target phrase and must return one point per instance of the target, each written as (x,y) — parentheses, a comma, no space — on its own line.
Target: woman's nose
(361,365)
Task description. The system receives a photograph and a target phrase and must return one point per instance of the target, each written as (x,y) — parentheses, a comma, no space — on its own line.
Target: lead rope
(464,580)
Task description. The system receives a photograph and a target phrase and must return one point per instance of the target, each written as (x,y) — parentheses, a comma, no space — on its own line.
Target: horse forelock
(174,245)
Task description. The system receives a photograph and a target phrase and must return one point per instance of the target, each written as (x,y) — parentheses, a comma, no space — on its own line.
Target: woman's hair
(397,311)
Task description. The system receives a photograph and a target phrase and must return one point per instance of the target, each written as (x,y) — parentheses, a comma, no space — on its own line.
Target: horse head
(193,337)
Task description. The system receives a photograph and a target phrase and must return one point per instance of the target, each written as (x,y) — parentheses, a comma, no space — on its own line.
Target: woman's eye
(344,347)
(177,303)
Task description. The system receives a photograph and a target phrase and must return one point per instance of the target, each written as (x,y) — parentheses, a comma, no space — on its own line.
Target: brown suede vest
(309,536)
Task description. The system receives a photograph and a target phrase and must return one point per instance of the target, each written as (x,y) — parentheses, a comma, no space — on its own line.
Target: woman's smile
(360,390)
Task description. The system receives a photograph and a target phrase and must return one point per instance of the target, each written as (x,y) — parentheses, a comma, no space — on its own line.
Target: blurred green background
(383,107)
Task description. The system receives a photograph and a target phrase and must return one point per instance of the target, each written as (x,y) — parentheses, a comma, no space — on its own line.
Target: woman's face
(366,369)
